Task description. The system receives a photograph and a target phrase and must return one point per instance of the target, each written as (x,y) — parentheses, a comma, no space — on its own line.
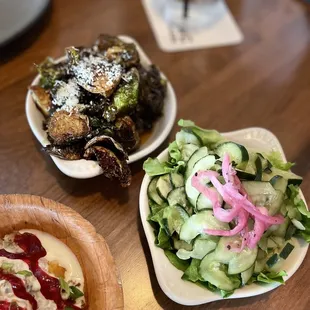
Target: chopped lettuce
(154,167)
(272,277)
(174,152)
(207,137)
(276,160)
(177,262)
(297,201)
(192,273)
(305,234)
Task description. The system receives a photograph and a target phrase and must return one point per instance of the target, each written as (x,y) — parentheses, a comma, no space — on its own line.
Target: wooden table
(262,82)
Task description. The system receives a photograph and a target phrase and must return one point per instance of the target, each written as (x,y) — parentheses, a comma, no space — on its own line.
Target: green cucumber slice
(237,262)
(200,153)
(212,271)
(246,275)
(152,192)
(263,194)
(164,186)
(188,150)
(196,224)
(176,179)
(177,197)
(237,152)
(183,137)
(279,183)
(291,177)
(287,250)
(173,218)
(205,163)
(200,249)
(204,203)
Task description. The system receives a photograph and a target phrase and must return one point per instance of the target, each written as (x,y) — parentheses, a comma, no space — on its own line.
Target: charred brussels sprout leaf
(117,50)
(42,99)
(125,98)
(50,72)
(127,133)
(109,143)
(111,165)
(64,128)
(94,73)
(152,92)
(71,152)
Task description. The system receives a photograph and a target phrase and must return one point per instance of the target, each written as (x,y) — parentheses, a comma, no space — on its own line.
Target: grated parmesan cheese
(67,96)
(98,73)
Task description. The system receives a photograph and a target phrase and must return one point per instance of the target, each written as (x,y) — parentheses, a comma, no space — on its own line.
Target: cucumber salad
(224,214)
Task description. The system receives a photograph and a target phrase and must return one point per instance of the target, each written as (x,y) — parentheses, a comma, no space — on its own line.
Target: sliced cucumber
(244,175)
(238,153)
(177,197)
(164,186)
(183,137)
(200,249)
(263,194)
(259,265)
(200,153)
(281,229)
(173,218)
(180,244)
(286,251)
(196,224)
(279,183)
(246,275)
(176,179)
(152,192)
(203,203)
(291,177)
(237,262)
(188,150)
(205,163)
(211,270)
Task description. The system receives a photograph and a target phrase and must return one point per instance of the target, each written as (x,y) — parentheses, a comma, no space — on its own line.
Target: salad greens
(217,239)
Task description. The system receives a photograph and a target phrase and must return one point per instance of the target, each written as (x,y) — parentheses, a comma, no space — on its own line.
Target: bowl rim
(89,231)
(135,156)
(161,278)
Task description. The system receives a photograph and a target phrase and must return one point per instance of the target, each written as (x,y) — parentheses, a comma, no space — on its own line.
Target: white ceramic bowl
(84,169)
(169,278)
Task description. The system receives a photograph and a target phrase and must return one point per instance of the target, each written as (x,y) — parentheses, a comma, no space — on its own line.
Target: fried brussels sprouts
(42,99)
(109,143)
(112,166)
(50,72)
(127,134)
(118,51)
(71,152)
(64,128)
(94,73)
(98,102)
(125,98)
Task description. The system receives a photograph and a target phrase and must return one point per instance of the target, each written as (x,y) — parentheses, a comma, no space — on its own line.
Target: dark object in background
(21,21)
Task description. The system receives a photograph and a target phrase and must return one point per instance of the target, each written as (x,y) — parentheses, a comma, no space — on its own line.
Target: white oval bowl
(84,169)
(169,278)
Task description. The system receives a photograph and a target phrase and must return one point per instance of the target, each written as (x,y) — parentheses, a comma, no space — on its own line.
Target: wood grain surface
(262,82)
(102,284)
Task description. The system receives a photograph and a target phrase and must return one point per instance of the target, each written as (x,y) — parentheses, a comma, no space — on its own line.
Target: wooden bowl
(103,287)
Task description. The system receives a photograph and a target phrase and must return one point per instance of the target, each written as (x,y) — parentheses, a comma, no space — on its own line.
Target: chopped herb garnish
(64,286)
(25,273)
(7,266)
(75,293)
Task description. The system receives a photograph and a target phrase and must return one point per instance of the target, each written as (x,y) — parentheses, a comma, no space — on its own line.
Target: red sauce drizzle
(50,287)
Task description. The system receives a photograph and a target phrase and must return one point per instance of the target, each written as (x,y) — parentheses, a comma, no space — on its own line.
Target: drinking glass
(200,14)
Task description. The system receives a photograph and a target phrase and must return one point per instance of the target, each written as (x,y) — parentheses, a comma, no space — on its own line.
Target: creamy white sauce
(56,251)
